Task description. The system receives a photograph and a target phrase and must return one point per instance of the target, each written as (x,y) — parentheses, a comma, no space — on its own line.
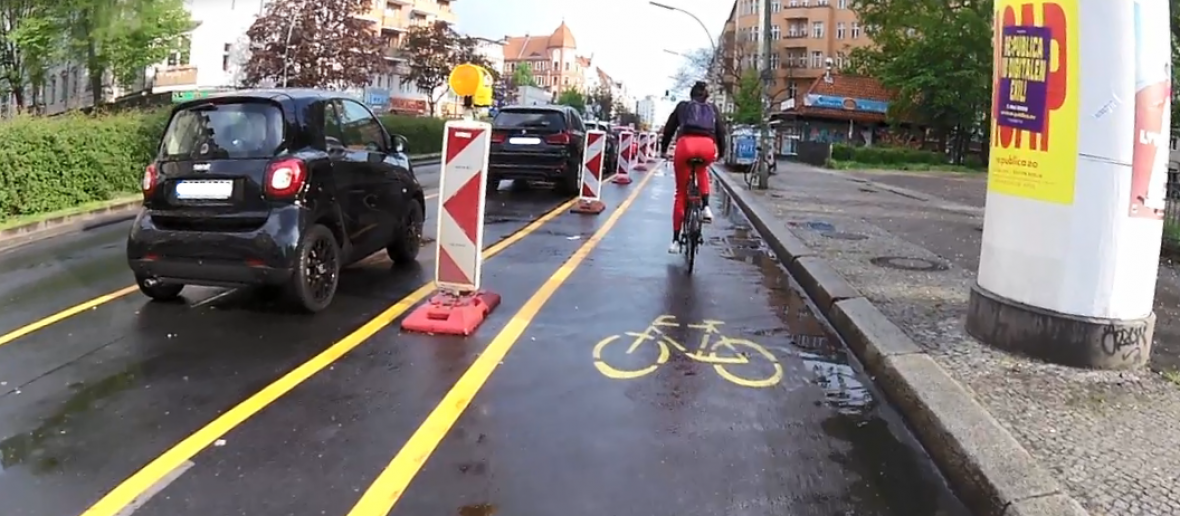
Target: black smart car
(276,188)
(538,143)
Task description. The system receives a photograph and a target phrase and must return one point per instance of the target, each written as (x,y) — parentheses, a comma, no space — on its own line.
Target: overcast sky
(627,37)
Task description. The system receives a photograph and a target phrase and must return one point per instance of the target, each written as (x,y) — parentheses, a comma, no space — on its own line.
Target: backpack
(699,116)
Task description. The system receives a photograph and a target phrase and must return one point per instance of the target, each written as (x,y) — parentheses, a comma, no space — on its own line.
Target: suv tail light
(151,178)
(284,178)
(498,137)
(562,138)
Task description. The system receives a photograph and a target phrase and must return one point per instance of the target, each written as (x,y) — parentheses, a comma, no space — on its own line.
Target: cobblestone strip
(1004,429)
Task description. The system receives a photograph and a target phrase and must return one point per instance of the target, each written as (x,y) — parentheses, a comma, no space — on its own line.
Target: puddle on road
(895,475)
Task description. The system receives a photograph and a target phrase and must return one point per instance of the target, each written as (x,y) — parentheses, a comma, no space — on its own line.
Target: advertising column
(1076,181)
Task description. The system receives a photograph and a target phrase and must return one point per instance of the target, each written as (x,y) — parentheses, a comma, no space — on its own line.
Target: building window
(842,4)
(181,57)
(840,30)
(65,86)
(817,30)
(793,3)
(775,32)
(776,6)
(225,58)
(855,30)
(75,79)
(792,89)
(817,59)
(803,3)
(52,91)
(775,61)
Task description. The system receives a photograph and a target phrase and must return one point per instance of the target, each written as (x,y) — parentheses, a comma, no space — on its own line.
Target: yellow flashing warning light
(468,80)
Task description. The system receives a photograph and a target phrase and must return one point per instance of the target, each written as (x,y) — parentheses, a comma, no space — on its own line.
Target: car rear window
(225,131)
(542,118)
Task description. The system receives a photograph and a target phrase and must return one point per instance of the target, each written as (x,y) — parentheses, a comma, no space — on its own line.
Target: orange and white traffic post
(590,199)
(626,154)
(459,306)
(641,142)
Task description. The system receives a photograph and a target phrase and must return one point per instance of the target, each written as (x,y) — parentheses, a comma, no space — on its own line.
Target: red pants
(688,147)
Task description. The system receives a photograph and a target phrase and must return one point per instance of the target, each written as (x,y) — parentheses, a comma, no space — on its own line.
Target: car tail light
(284,178)
(562,138)
(498,137)
(151,178)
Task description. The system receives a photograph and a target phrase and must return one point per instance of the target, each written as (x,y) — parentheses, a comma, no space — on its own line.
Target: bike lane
(775,421)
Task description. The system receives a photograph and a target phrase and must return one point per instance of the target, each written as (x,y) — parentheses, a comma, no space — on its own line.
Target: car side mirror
(400,144)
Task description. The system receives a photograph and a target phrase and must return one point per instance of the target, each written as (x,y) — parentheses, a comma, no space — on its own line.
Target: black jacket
(673,123)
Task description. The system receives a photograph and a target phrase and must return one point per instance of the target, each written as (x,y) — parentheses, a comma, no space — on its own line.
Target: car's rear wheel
(317,270)
(404,249)
(570,184)
(152,288)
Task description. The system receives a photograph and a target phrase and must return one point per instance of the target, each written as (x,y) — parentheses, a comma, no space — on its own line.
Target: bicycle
(690,233)
(723,353)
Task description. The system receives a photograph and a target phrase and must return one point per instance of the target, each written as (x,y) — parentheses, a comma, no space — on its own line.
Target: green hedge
(886,155)
(50,164)
(425,134)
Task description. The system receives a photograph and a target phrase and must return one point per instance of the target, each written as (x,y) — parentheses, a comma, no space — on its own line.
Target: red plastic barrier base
(450,314)
(622,179)
(589,207)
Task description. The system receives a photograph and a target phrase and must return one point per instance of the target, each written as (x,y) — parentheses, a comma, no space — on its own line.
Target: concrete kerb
(113,213)
(992,473)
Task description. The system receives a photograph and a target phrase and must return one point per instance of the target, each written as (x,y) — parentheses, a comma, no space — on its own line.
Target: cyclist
(701,135)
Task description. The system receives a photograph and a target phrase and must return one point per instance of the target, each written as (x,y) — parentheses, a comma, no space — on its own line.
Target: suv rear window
(225,131)
(530,118)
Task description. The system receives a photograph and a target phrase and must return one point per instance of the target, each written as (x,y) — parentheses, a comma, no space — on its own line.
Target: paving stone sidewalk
(1112,438)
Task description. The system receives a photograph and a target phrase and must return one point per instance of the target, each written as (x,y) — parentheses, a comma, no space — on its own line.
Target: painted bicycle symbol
(739,361)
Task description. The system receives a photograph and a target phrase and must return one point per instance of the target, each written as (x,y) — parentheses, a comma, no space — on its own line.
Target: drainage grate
(906,263)
(844,236)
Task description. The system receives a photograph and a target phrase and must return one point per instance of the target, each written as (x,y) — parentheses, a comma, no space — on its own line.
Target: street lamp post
(287,52)
(693,16)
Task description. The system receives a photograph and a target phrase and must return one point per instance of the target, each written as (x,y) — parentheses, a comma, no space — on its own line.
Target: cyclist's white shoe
(707,214)
(674,248)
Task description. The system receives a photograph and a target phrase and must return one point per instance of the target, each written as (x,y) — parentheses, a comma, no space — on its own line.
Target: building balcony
(393,21)
(175,77)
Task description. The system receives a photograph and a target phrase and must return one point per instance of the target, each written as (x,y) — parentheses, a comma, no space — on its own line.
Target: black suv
(276,188)
(538,143)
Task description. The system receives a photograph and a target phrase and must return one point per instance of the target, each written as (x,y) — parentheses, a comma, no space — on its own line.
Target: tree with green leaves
(937,58)
(523,76)
(602,102)
(747,99)
(27,37)
(572,98)
(120,39)
(315,44)
(432,51)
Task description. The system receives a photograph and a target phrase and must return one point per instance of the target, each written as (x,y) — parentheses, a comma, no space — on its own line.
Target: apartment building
(217,50)
(805,34)
(553,59)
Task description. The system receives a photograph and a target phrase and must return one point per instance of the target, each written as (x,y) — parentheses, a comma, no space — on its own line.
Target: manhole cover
(906,263)
(819,226)
(844,236)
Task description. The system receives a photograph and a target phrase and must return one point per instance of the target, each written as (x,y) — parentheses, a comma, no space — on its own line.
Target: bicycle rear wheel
(692,235)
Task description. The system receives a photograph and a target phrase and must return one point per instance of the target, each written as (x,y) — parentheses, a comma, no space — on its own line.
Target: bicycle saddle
(696,161)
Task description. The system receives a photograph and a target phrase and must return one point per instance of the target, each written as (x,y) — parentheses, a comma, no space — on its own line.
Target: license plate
(524,141)
(204,190)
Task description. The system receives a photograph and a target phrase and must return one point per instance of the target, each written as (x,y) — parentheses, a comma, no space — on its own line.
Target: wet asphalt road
(795,429)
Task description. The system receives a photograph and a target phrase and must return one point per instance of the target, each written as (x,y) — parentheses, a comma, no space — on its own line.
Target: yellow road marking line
(87,305)
(389,486)
(65,314)
(139,483)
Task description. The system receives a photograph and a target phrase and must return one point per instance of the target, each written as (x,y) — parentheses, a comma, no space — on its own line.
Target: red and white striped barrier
(590,200)
(623,173)
(459,306)
(642,140)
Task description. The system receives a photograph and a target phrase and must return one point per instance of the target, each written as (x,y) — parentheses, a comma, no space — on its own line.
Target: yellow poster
(1034,133)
